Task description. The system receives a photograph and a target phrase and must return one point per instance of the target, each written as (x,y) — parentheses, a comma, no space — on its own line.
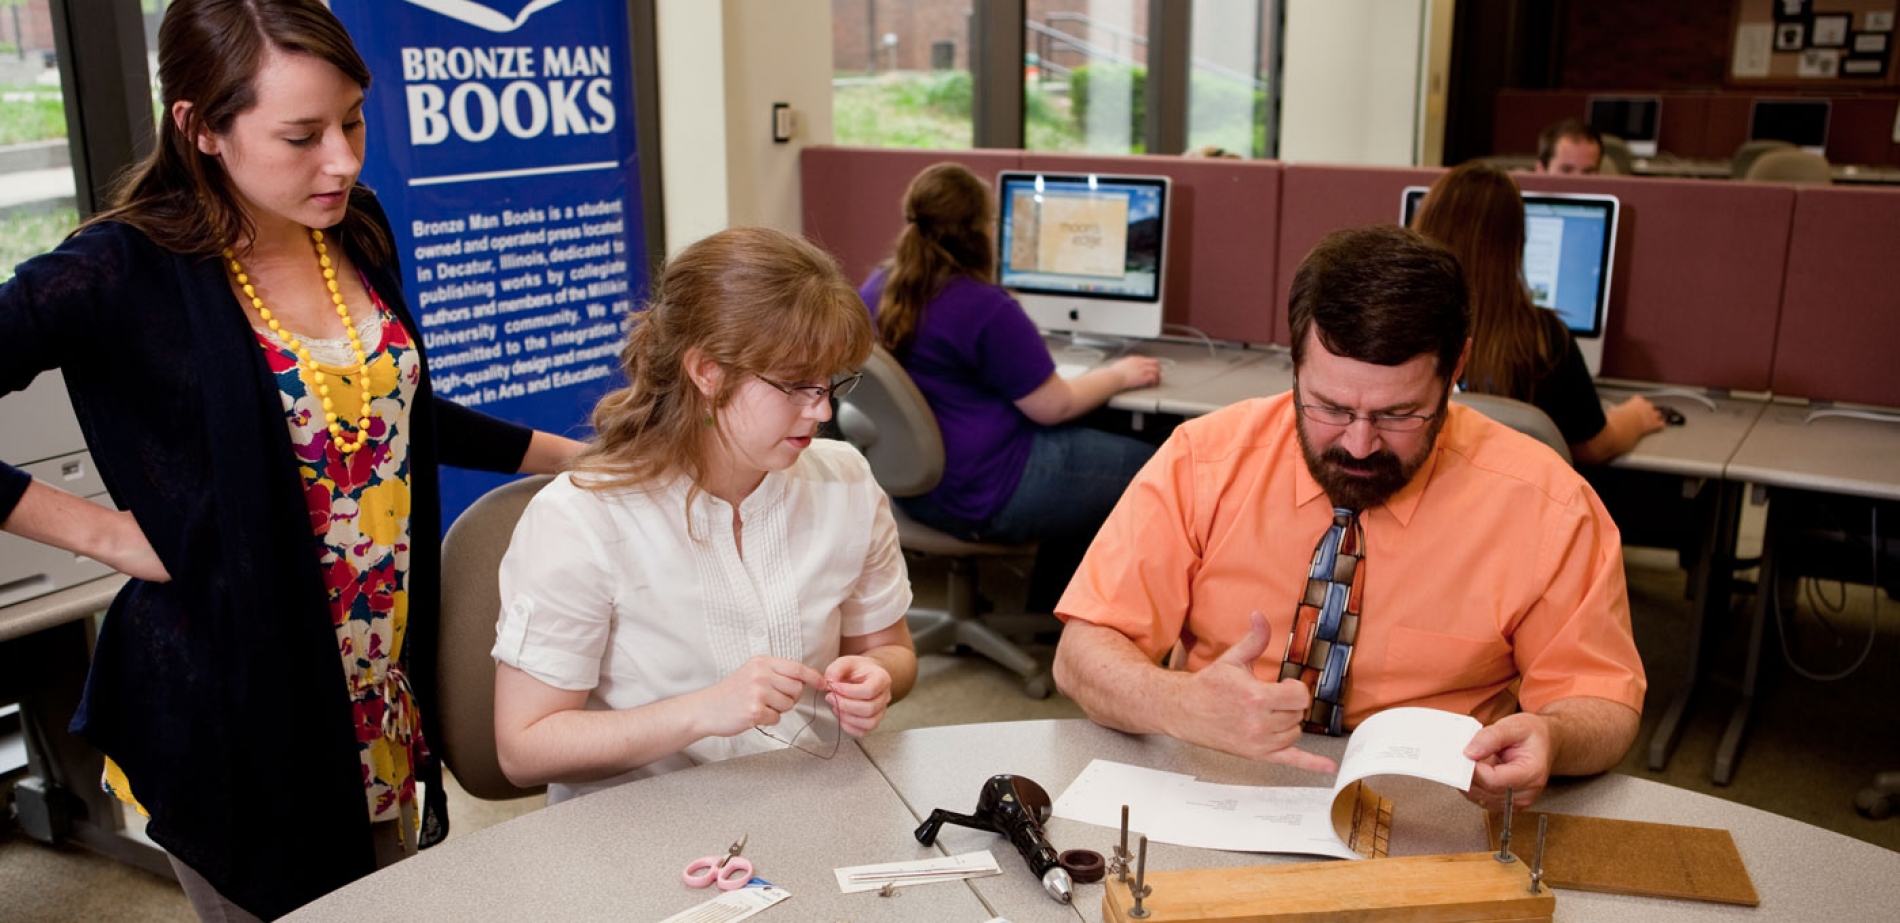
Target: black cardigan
(221,693)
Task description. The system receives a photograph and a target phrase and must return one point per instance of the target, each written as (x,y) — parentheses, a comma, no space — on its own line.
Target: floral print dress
(359,513)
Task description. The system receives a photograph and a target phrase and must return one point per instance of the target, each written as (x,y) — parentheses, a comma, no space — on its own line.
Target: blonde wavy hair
(755,301)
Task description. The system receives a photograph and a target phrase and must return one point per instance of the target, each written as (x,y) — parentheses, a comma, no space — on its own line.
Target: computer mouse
(1671,415)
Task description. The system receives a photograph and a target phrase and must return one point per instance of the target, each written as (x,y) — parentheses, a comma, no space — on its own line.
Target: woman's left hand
(860,690)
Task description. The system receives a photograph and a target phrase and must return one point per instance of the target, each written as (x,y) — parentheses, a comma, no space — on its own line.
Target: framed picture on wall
(1829,30)
(1864,66)
(1791,10)
(1791,36)
(1821,63)
(1870,43)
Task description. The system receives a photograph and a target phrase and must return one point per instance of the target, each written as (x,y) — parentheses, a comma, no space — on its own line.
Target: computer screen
(1569,256)
(1635,119)
(1800,122)
(1085,253)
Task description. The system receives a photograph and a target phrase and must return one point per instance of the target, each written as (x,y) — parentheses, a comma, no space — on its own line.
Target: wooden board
(1634,857)
(1414,889)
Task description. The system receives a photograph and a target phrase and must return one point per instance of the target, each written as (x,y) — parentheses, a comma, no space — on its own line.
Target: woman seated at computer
(1015,468)
(709,581)
(1518,349)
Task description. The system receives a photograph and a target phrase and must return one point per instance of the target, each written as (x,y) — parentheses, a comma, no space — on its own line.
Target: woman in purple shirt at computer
(1015,468)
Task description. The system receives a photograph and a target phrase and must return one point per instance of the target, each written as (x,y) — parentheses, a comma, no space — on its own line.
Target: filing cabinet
(39,434)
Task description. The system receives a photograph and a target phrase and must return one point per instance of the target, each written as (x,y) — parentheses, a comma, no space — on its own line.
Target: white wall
(723,63)
(1351,88)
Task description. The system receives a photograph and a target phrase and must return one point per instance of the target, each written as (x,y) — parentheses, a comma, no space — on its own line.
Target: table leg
(1766,596)
(1710,585)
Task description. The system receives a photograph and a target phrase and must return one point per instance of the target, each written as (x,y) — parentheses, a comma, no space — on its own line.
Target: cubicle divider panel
(1317,199)
(1840,311)
(1697,280)
(854,196)
(1222,229)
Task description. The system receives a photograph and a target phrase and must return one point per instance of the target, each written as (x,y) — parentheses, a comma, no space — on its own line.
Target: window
(1230,57)
(901,73)
(37,206)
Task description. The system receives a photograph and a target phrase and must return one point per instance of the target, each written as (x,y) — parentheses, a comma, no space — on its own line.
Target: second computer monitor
(1800,122)
(1569,257)
(1635,119)
(1085,253)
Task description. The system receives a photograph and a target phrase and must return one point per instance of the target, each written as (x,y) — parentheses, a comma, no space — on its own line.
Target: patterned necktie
(1319,648)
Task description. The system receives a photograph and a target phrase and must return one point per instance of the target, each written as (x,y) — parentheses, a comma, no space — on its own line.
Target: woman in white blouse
(709,580)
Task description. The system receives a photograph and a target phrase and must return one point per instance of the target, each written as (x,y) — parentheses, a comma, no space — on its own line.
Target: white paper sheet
(1170,807)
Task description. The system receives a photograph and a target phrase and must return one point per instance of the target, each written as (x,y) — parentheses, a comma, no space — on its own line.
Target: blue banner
(501,141)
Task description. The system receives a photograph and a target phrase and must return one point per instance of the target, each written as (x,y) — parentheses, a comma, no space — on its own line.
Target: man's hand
(1514,753)
(860,691)
(1229,709)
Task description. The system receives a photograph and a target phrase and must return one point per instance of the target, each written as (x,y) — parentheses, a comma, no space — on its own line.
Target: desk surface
(617,854)
(1702,446)
(59,607)
(1835,454)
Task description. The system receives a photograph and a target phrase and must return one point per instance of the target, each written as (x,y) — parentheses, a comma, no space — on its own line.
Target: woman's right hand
(129,552)
(1642,417)
(757,694)
(1137,371)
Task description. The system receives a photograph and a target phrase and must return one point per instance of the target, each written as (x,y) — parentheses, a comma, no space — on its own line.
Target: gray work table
(1800,871)
(1841,455)
(1190,371)
(1702,445)
(618,854)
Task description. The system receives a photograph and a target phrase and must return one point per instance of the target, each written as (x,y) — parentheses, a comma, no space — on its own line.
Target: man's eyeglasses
(1384,422)
(812,395)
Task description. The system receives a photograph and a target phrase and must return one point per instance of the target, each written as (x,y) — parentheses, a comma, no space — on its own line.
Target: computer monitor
(1569,256)
(1085,253)
(1635,119)
(1800,122)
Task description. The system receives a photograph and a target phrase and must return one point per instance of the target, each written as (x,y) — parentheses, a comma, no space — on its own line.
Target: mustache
(1378,464)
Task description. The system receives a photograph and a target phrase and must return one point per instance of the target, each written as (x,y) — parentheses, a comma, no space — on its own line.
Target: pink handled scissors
(730,871)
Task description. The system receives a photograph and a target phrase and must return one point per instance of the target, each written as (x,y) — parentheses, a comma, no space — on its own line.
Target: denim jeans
(1072,480)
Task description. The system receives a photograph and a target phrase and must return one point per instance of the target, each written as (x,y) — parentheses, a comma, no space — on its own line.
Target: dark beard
(1376,478)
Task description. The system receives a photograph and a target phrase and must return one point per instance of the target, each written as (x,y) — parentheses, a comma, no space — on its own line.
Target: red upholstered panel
(1518,115)
(1698,277)
(1727,127)
(1684,127)
(1840,313)
(854,196)
(1316,200)
(1222,227)
(1861,131)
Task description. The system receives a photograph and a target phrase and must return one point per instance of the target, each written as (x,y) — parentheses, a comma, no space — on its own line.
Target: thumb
(1248,649)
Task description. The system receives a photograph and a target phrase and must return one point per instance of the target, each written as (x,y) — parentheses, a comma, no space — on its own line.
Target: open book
(1346,821)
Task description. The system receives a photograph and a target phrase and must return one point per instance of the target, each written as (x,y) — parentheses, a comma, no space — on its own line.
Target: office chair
(464,694)
(1525,418)
(1617,159)
(1795,166)
(1746,155)
(888,420)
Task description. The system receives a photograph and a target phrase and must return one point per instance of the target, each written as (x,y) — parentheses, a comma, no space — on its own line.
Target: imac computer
(1085,253)
(1800,122)
(1635,119)
(1569,252)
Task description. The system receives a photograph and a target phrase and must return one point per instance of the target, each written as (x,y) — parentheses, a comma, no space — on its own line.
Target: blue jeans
(1072,480)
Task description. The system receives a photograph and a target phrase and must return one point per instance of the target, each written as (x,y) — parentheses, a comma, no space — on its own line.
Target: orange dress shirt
(1493,581)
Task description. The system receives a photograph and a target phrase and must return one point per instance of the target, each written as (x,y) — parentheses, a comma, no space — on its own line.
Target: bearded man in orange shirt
(1460,565)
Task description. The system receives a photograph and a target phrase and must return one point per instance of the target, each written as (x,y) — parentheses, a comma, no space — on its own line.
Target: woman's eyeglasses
(812,395)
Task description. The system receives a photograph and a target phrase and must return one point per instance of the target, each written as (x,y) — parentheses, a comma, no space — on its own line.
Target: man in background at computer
(1569,146)
(1490,575)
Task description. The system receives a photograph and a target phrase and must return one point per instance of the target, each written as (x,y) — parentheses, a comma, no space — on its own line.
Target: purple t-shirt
(974,355)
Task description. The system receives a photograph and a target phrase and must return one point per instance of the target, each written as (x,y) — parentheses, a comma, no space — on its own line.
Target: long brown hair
(209,54)
(1477,212)
(946,234)
(755,301)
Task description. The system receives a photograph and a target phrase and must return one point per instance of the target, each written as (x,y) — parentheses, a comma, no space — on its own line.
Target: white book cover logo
(482,17)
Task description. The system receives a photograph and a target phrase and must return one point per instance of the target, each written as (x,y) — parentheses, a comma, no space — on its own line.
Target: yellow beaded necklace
(343,444)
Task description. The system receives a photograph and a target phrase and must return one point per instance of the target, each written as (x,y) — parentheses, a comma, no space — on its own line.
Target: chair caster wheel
(1874,804)
(1039,686)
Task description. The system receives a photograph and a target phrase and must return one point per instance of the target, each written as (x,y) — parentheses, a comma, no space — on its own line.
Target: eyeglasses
(816,738)
(1384,422)
(812,395)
